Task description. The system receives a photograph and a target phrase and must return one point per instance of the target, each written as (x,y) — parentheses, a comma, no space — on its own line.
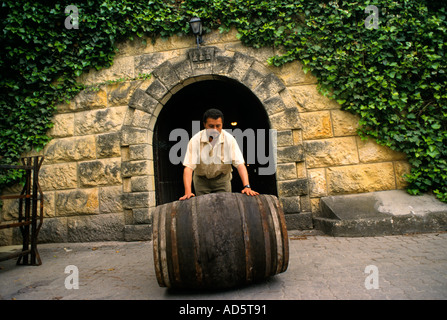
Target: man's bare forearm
(187,183)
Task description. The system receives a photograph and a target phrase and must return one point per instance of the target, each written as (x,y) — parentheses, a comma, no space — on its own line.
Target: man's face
(213,128)
(215,124)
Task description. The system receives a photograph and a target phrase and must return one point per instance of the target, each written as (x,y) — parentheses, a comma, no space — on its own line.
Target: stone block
(301,170)
(70,149)
(141,232)
(222,65)
(290,154)
(202,59)
(286,120)
(315,205)
(17,236)
(183,69)
(381,213)
(119,94)
(9,210)
(77,202)
(140,152)
(344,123)
(105,227)
(141,119)
(100,172)
(269,87)
(128,216)
(166,74)
(370,151)
(168,96)
(297,136)
(63,125)
(299,221)
(142,183)
(290,204)
(142,101)
(90,99)
(123,67)
(401,168)
(58,176)
(309,99)
(305,204)
(142,216)
(126,185)
(146,63)
(361,178)
(292,74)
(274,104)
(254,76)
(239,67)
(284,138)
(137,168)
(54,230)
(128,118)
(131,135)
(6,237)
(292,188)
(286,171)
(261,55)
(157,90)
(108,145)
(136,200)
(317,182)
(99,121)
(135,47)
(331,152)
(110,199)
(174,42)
(316,125)
(203,70)
(49,204)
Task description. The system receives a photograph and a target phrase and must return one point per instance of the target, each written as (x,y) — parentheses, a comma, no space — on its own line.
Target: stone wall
(98,174)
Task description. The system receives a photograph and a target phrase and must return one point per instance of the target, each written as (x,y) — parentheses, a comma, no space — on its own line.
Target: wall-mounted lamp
(196,26)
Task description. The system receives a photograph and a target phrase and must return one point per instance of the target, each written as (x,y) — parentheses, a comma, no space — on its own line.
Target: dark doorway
(238,104)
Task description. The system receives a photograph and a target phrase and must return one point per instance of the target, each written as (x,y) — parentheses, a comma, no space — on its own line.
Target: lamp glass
(196,26)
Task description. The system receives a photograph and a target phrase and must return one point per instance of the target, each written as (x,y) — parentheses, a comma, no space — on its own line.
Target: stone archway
(180,118)
(209,63)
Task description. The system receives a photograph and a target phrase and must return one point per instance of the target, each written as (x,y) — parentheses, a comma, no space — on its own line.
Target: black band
(247,186)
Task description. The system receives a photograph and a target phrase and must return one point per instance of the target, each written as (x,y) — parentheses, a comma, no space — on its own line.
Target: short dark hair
(213,114)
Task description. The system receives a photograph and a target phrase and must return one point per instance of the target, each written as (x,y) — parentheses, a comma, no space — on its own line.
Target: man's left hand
(250,192)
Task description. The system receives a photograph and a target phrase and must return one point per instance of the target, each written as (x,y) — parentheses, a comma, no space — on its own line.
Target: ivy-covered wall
(390,72)
(99,179)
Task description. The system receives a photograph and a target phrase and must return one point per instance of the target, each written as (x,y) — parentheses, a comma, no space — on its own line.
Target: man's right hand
(187,196)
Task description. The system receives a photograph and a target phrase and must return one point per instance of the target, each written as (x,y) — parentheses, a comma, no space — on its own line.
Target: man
(210,155)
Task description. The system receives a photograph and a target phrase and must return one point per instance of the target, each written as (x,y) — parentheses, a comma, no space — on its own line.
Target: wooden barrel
(219,240)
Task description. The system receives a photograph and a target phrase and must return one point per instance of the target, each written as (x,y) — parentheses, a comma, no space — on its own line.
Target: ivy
(393,77)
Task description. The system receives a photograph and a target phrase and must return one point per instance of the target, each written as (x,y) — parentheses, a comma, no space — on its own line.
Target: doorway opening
(241,109)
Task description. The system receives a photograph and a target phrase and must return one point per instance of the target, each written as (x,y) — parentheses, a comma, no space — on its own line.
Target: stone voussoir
(142,101)
(166,74)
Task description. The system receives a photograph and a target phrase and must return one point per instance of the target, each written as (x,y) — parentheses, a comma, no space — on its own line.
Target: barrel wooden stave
(219,240)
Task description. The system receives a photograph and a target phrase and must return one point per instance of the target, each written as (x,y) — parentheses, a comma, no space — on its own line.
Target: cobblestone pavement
(320,267)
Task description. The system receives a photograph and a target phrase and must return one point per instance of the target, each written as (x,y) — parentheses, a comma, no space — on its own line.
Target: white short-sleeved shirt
(210,161)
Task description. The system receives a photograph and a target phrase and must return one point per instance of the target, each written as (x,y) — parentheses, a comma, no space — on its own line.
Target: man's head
(213,119)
